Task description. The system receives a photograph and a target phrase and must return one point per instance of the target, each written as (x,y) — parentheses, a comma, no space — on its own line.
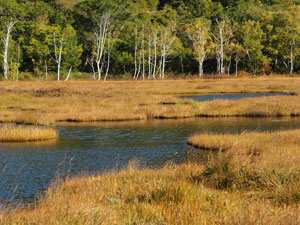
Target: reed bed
(133,196)
(278,150)
(266,164)
(26,134)
(44,103)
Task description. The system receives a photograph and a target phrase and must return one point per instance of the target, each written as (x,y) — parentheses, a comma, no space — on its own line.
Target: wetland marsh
(99,147)
(94,156)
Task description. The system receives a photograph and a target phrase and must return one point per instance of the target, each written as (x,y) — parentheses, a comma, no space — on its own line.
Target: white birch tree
(101,34)
(155,53)
(198,33)
(149,54)
(135,53)
(167,41)
(111,40)
(91,62)
(58,47)
(5,40)
(221,37)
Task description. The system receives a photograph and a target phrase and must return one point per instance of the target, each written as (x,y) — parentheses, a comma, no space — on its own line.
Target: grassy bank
(265,164)
(254,179)
(36,102)
(24,134)
(167,196)
(255,150)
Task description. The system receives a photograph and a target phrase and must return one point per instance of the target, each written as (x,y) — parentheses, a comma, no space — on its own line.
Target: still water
(28,169)
(233,96)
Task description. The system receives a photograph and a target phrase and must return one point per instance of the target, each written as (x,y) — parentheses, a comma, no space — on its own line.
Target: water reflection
(102,146)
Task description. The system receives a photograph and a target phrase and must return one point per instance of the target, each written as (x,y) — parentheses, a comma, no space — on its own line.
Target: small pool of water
(26,170)
(233,96)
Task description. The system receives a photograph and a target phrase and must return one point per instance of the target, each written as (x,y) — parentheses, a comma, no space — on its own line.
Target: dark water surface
(233,96)
(26,170)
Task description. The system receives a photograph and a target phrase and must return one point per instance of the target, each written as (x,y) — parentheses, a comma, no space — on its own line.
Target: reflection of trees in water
(33,145)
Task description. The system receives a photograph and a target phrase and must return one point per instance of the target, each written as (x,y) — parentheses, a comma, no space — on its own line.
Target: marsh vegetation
(44,103)
(250,177)
(25,134)
(251,174)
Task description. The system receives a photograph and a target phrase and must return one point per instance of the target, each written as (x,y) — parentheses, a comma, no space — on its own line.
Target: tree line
(147,39)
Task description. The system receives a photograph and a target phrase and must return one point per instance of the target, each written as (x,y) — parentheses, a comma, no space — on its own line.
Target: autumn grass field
(253,178)
(249,178)
(44,103)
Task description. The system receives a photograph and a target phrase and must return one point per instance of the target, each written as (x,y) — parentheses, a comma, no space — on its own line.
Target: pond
(233,96)
(28,169)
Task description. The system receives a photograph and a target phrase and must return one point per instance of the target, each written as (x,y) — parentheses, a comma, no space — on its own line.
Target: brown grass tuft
(23,134)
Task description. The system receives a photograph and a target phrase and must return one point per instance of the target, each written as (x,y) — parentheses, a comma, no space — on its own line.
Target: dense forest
(147,39)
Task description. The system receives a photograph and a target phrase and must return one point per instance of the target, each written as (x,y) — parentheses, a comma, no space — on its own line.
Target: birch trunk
(58,56)
(18,62)
(143,54)
(135,54)
(5,40)
(91,62)
(149,57)
(109,49)
(69,73)
(222,50)
(292,58)
(107,68)
(163,61)
(139,67)
(236,65)
(101,34)
(219,40)
(59,59)
(46,69)
(201,68)
(155,55)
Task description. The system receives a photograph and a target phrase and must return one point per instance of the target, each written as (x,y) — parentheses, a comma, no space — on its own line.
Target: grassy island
(24,134)
(44,103)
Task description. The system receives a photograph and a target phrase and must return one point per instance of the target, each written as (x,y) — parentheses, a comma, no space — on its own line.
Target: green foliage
(252,37)
(263,35)
(73,50)
(38,50)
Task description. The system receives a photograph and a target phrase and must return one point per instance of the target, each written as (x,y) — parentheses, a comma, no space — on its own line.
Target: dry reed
(24,134)
(254,179)
(133,196)
(46,103)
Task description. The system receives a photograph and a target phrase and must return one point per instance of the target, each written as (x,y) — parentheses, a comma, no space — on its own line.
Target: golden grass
(24,134)
(133,196)
(278,150)
(254,179)
(36,102)
(267,164)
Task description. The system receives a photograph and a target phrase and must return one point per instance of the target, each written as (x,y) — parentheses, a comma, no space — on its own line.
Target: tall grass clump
(266,164)
(24,134)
